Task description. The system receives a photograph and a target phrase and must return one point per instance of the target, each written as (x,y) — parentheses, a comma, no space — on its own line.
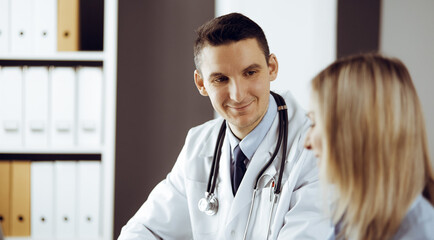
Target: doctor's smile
(241,108)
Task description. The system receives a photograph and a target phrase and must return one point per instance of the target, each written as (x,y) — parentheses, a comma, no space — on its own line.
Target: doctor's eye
(220,79)
(250,73)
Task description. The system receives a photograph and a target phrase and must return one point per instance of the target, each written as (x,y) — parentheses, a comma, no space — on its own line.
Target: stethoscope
(209,204)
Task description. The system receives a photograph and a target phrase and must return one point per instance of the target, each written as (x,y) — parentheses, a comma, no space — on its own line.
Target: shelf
(30,238)
(26,150)
(85,56)
(36,157)
(104,16)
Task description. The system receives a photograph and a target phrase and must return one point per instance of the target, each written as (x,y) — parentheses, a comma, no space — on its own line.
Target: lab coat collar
(209,146)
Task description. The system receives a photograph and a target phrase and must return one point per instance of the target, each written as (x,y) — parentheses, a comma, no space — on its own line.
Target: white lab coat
(171,211)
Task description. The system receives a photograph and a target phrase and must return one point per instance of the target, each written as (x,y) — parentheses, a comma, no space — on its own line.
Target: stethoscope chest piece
(209,204)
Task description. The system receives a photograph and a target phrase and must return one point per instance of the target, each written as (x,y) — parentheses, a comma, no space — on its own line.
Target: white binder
(42,200)
(11,111)
(89,192)
(45,31)
(65,199)
(89,106)
(63,104)
(4,26)
(21,26)
(36,107)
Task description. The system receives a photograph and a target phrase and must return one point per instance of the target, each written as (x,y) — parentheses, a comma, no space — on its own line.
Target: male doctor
(234,69)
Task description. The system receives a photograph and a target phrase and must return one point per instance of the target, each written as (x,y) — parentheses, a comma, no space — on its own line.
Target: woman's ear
(198,80)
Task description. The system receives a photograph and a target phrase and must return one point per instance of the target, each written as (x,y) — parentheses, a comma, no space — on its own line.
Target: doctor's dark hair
(226,29)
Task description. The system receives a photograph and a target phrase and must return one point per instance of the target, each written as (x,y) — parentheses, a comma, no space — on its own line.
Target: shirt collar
(251,142)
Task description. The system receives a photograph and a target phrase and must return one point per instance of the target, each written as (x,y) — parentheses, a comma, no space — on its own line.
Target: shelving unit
(96,56)
(106,151)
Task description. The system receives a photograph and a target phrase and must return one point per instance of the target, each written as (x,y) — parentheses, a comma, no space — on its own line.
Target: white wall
(302,34)
(407,32)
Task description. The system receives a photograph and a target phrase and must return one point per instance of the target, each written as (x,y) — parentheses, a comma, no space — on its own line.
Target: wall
(157,101)
(358,27)
(407,32)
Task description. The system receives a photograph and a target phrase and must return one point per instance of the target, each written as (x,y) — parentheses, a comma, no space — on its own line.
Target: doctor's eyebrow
(253,66)
(249,68)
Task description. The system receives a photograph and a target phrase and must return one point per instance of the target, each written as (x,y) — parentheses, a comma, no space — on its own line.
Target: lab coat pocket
(263,214)
(202,224)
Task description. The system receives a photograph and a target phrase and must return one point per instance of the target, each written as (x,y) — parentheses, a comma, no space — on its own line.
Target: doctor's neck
(235,133)
(242,131)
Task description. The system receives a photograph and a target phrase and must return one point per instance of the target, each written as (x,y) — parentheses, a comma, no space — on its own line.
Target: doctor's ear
(273,67)
(198,80)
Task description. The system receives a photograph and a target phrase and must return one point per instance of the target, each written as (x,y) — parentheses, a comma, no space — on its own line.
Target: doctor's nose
(238,90)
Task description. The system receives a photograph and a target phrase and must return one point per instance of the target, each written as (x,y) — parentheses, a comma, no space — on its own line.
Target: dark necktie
(239,169)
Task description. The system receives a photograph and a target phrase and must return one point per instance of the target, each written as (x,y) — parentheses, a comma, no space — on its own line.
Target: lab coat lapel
(269,145)
(208,150)
(225,184)
(242,201)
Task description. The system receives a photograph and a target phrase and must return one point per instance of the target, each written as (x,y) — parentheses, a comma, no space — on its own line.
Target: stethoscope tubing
(283,114)
(250,213)
(283,136)
(212,180)
(270,216)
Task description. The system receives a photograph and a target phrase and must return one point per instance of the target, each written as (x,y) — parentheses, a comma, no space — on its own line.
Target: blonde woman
(368,132)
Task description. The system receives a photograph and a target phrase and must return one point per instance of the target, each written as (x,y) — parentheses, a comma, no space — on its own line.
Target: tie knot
(239,156)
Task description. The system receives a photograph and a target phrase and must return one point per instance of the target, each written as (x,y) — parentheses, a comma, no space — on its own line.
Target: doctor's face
(313,139)
(237,79)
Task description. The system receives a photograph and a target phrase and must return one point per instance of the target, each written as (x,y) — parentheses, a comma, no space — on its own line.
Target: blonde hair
(374,143)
